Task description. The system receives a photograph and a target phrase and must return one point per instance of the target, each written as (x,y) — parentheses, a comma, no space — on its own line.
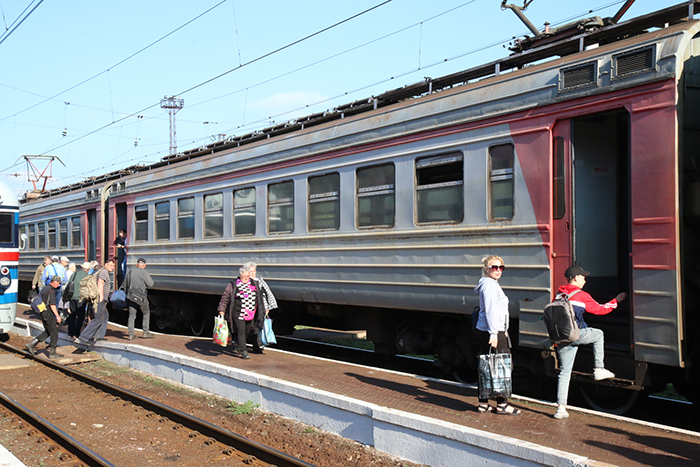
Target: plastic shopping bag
(495,375)
(267,336)
(220,331)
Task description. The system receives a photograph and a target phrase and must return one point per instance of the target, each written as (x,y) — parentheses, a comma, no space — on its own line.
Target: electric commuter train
(9,257)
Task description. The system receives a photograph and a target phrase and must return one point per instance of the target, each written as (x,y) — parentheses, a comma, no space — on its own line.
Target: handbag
(267,335)
(137,296)
(495,375)
(221,336)
(118,300)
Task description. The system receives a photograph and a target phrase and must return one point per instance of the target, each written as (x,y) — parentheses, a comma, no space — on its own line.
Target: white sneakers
(602,373)
(561,412)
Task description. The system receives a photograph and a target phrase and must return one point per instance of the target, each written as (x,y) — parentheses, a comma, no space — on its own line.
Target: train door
(591,225)
(92,234)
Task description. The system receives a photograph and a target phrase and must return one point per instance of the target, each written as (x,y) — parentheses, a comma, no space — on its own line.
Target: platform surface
(607,439)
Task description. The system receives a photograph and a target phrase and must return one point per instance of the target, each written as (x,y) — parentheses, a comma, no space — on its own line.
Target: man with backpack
(582,302)
(45,305)
(77,305)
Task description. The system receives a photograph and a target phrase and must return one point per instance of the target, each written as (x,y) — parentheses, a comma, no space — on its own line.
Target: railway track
(100,424)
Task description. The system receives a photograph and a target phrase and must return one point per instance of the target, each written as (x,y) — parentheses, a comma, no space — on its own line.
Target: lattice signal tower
(172,105)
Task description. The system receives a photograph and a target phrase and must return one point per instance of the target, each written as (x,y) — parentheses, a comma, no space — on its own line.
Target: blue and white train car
(9,256)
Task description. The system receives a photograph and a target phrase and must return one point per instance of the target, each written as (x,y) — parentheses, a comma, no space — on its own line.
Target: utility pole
(172,105)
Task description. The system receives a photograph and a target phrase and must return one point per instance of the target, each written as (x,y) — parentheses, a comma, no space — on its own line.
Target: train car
(377,213)
(9,256)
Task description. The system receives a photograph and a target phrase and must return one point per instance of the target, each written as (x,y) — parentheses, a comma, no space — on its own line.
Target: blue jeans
(567,355)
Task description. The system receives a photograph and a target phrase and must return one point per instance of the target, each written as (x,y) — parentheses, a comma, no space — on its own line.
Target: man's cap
(141,260)
(54,258)
(55,279)
(574,271)
(64,259)
(86,265)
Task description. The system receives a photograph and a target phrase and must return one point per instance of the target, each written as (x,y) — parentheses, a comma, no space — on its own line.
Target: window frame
(283,202)
(375,191)
(52,240)
(212,213)
(500,175)
(185,215)
(245,207)
(41,235)
(63,233)
(159,218)
(76,234)
(436,160)
(141,224)
(31,233)
(327,197)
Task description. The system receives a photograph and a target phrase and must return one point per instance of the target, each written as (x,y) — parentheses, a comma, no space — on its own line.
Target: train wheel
(197,325)
(616,401)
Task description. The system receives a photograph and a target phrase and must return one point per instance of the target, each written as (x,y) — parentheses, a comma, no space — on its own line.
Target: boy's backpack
(88,289)
(560,319)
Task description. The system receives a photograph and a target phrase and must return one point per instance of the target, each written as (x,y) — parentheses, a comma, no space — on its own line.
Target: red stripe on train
(9,255)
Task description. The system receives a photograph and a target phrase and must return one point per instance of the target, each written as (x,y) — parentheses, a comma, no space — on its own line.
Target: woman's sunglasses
(497,268)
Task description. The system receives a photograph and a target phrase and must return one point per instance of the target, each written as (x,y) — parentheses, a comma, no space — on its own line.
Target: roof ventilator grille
(578,76)
(634,61)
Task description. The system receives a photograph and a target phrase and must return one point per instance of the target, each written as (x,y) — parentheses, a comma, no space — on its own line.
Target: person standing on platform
(120,246)
(98,326)
(37,284)
(269,300)
(492,326)
(45,305)
(582,302)
(135,284)
(242,307)
(77,306)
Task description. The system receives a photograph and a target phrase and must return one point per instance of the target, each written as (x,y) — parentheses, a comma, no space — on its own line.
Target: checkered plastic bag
(495,375)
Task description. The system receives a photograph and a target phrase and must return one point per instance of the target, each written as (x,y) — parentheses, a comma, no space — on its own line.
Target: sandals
(485,408)
(507,409)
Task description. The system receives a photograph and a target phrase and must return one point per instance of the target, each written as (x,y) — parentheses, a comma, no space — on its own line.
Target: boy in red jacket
(582,302)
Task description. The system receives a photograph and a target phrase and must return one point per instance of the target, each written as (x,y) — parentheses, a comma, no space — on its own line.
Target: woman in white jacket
(492,326)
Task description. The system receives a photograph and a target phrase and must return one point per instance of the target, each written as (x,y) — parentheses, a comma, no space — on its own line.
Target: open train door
(591,218)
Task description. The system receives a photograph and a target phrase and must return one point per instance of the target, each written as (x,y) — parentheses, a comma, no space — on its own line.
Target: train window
(439,188)
(141,223)
(324,202)
(163,220)
(52,234)
(501,180)
(280,207)
(75,231)
(63,233)
(7,227)
(185,218)
(41,234)
(32,236)
(559,182)
(214,215)
(375,196)
(244,211)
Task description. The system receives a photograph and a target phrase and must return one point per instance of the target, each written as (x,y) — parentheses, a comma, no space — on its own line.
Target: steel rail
(75,447)
(240,443)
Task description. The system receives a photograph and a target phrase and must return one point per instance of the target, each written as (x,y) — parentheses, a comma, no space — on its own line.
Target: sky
(82,80)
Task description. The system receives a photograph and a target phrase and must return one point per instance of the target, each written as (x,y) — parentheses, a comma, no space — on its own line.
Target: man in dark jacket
(582,302)
(135,284)
(45,305)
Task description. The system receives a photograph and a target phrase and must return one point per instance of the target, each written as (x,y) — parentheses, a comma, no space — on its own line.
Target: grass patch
(242,409)
(670,393)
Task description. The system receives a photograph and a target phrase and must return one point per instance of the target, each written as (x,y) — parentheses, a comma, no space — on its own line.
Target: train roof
(533,50)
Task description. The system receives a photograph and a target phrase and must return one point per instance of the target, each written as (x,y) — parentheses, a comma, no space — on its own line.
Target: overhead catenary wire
(315,103)
(12,29)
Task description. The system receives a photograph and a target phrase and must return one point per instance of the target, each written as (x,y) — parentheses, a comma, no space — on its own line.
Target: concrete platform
(423,420)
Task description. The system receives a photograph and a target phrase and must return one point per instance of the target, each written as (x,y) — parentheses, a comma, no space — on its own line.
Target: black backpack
(560,319)
(69,289)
